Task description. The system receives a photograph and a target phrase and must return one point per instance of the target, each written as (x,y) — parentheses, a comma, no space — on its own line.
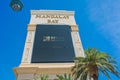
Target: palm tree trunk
(93,70)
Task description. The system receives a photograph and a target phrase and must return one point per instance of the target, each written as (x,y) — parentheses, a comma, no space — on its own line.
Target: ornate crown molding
(58,12)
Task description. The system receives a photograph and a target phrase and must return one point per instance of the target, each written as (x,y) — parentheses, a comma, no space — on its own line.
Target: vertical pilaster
(77,41)
(26,59)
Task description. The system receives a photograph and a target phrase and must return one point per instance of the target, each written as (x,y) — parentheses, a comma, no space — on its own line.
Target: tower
(51,45)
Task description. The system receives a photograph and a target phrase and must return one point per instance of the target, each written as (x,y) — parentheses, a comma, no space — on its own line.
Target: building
(52,43)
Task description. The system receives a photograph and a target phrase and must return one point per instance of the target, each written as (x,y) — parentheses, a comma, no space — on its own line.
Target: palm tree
(64,77)
(41,77)
(94,63)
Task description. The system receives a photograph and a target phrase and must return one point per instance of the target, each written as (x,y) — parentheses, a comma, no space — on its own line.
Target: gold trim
(74,28)
(31,27)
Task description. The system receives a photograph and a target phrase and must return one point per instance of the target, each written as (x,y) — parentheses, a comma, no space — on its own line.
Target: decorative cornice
(38,70)
(57,12)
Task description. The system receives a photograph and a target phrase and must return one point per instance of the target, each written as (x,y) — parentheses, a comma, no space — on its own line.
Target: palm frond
(101,61)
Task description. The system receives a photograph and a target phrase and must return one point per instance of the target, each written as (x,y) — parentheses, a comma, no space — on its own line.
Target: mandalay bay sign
(53,18)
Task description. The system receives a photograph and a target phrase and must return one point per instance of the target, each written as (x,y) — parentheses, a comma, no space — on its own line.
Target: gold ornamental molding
(74,28)
(31,27)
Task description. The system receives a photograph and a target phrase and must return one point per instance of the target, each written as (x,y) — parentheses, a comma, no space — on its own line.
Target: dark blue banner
(53,44)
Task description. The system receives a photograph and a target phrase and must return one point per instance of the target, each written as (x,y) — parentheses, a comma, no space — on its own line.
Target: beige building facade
(27,70)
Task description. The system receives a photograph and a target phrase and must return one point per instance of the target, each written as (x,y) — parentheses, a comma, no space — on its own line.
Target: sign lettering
(52,18)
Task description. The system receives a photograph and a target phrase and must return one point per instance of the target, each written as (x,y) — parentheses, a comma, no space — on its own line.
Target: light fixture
(16,5)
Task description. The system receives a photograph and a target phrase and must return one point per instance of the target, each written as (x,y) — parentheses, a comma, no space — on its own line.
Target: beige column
(77,41)
(26,59)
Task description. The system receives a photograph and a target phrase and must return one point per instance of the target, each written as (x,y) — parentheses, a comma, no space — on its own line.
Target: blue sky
(98,20)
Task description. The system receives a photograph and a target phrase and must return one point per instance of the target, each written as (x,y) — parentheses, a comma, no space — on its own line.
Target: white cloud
(106,16)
